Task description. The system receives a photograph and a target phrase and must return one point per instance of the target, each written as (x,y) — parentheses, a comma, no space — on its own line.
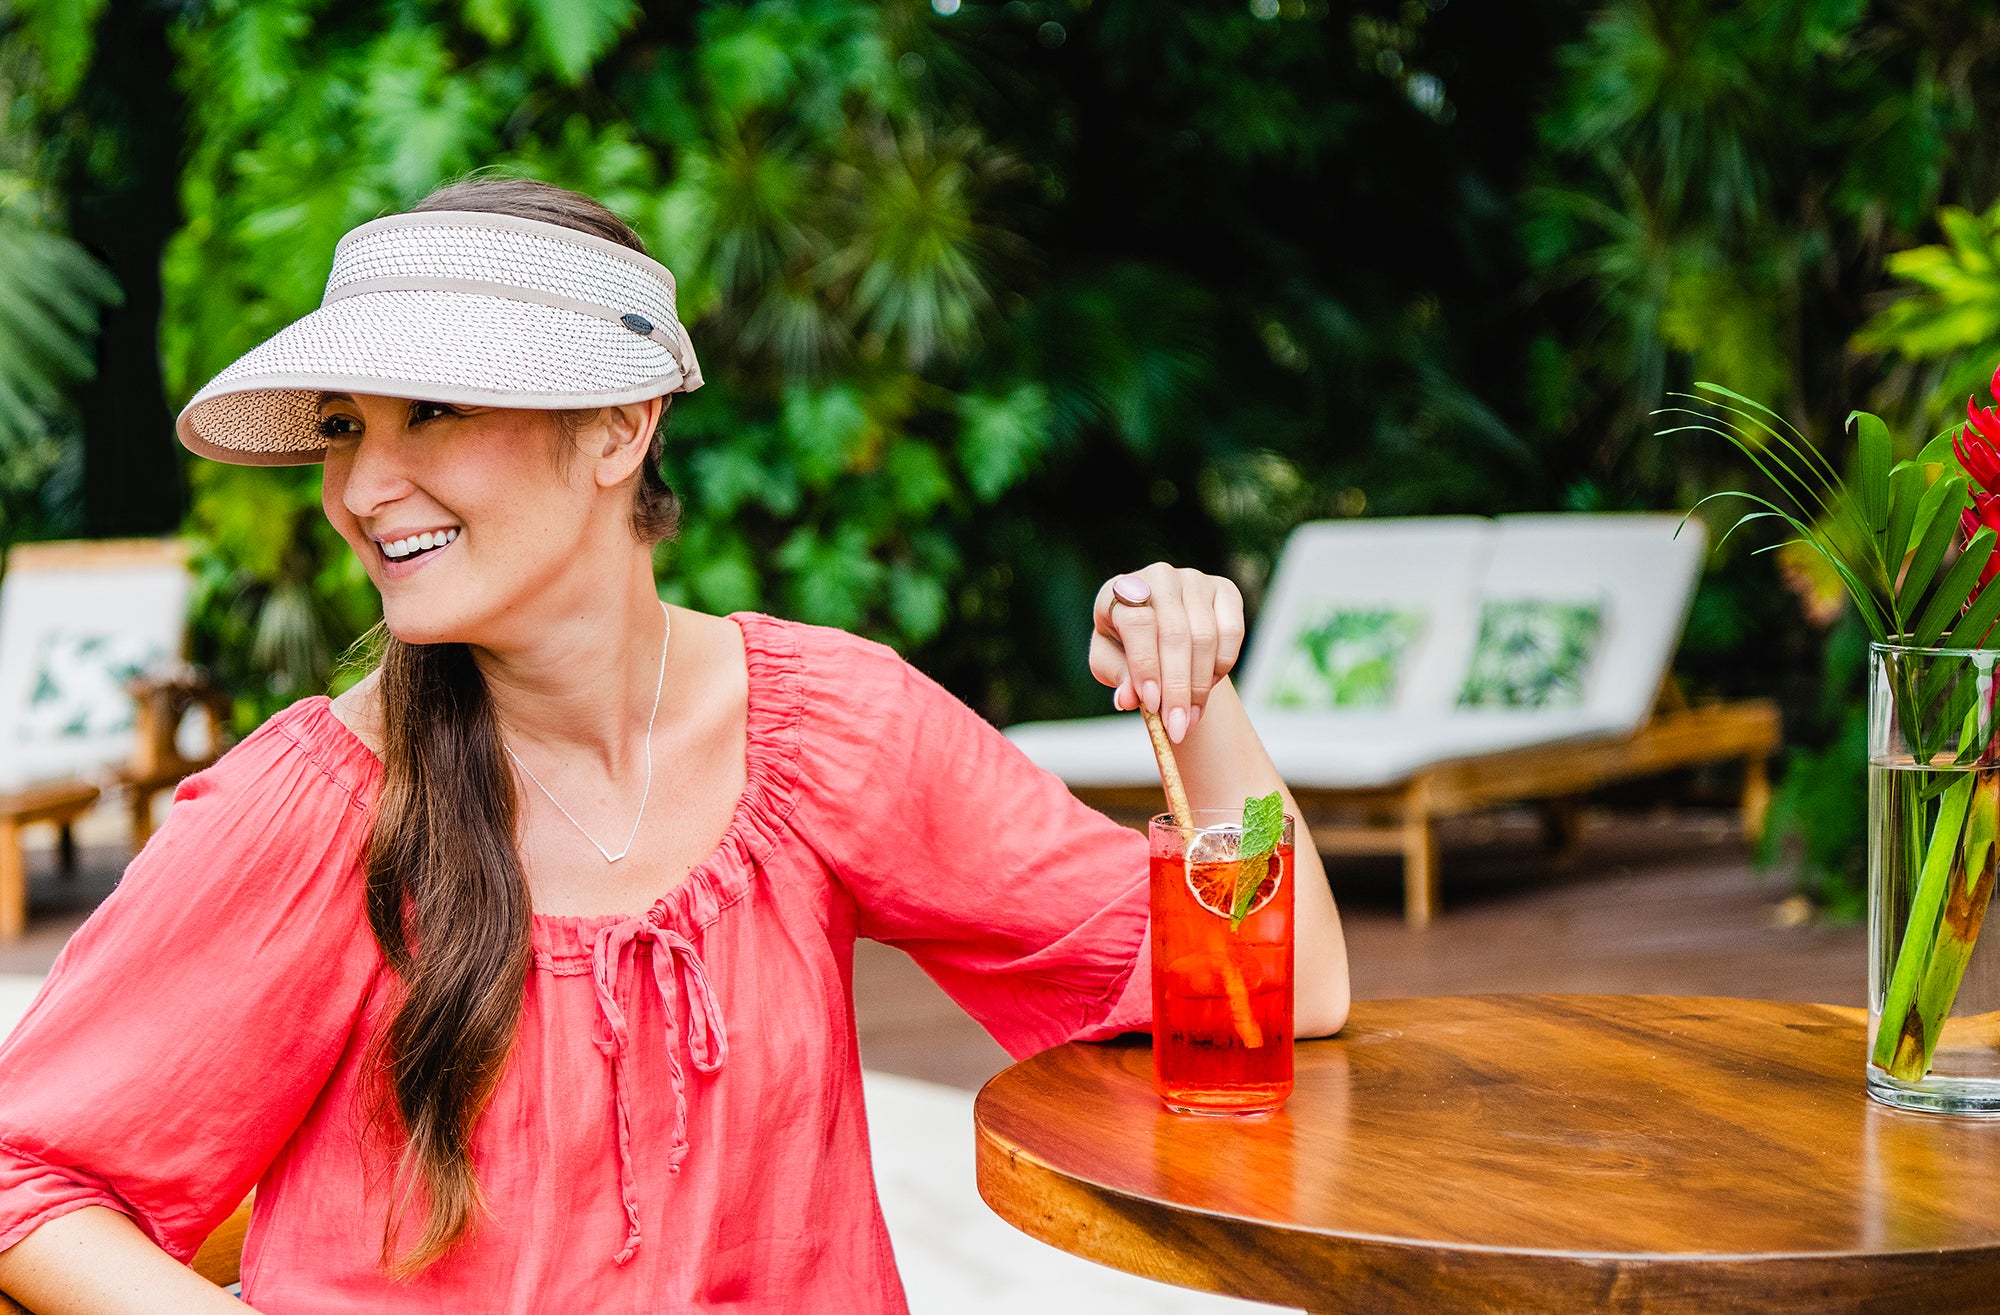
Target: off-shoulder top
(679,1127)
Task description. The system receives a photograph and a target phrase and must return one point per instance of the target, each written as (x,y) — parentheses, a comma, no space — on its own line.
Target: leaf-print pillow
(1532,653)
(1348,658)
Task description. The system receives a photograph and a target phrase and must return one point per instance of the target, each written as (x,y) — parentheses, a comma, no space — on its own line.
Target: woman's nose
(375,476)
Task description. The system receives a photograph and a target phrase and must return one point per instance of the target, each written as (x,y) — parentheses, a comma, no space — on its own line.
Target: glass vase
(1933,805)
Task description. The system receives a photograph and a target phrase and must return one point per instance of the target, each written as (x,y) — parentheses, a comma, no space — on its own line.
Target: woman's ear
(619,440)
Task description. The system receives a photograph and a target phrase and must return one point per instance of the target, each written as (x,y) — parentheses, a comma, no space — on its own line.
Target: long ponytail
(447,898)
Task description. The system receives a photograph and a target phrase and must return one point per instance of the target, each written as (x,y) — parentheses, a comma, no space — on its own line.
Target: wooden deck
(1664,903)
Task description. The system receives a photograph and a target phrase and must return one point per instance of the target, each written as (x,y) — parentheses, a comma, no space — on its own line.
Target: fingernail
(1194,716)
(1151,693)
(1177,724)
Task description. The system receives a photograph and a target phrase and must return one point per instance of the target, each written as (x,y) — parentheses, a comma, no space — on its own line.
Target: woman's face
(463,516)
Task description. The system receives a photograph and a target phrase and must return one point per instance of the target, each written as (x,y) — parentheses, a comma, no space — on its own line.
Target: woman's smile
(404,553)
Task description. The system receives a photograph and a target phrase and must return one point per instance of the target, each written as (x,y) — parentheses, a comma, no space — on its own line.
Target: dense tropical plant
(995,298)
(51,294)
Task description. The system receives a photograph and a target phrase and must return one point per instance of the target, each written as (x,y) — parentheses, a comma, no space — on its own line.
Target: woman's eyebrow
(324,398)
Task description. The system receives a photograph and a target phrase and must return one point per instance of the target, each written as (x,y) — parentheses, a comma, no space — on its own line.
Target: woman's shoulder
(307,750)
(837,665)
(359,709)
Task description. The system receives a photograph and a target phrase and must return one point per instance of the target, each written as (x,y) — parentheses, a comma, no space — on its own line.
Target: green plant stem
(1902,1047)
(1970,891)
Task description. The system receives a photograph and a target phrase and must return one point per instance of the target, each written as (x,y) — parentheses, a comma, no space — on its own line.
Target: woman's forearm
(95,1261)
(1222,763)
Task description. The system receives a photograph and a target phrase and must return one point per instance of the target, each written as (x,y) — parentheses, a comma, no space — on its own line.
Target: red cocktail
(1222,968)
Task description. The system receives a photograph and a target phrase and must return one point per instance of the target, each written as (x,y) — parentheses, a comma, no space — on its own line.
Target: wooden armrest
(220,1259)
(163,699)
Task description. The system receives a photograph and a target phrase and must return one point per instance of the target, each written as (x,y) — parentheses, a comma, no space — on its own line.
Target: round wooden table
(1517,1154)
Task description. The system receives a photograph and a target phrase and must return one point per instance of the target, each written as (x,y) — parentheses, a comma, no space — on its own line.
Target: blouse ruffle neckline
(565,943)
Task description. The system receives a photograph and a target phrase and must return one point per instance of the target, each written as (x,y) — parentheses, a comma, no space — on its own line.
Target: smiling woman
(380,963)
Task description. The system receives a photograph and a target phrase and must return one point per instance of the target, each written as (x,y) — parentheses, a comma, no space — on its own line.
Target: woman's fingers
(1229,625)
(1107,655)
(1135,629)
(1204,636)
(1163,637)
(1173,630)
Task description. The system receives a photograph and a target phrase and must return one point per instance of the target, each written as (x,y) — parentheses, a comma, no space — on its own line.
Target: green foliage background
(995,299)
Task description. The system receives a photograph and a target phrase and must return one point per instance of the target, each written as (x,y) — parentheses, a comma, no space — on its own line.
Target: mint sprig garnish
(1263,828)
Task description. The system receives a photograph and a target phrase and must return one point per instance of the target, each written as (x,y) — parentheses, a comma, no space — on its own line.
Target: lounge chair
(1405,671)
(91,694)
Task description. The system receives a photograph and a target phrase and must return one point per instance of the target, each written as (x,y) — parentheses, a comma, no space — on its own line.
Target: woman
(517,977)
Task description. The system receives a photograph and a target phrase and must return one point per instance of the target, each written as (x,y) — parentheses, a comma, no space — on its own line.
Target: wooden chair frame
(155,765)
(1402,818)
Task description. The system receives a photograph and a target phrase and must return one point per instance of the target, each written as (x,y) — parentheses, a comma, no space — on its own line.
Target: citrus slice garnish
(1213,885)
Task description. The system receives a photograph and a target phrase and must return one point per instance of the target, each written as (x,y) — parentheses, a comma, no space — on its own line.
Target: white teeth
(399,548)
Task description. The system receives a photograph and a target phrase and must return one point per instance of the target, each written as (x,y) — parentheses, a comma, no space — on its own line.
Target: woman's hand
(1163,637)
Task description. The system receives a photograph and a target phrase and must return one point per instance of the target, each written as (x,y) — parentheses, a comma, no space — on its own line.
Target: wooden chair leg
(1562,825)
(142,816)
(13,882)
(1756,797)
(1420,870)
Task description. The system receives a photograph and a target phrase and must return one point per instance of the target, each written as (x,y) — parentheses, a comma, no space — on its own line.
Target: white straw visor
(453,306)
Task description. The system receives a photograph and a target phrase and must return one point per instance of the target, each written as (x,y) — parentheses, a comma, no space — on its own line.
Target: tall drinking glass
(1222,988)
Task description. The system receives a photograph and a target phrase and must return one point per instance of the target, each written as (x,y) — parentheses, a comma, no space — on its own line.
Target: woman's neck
(577,671)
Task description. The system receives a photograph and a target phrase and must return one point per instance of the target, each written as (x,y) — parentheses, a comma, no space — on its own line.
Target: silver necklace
(644,795)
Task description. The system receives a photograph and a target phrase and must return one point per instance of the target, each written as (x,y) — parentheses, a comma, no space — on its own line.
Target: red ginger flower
(1985,510)
(1978,444)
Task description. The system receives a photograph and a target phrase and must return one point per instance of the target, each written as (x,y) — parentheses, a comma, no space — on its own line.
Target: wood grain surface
(1517,1154)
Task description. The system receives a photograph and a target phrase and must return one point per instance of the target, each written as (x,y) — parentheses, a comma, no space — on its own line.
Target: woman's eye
(332,427)
(422,411)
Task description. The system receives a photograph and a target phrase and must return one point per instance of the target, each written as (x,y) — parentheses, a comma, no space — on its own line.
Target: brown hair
(446,895)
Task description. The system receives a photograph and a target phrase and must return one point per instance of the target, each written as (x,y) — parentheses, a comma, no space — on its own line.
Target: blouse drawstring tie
(708,1044)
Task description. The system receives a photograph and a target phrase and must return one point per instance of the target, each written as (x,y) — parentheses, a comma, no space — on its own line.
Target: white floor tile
(17,992)
(957,1256)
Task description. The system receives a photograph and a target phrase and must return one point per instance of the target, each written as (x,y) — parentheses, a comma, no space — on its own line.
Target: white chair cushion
(1427,566)
(1635,565)
(1640,568)
(74,628)
(1328,751)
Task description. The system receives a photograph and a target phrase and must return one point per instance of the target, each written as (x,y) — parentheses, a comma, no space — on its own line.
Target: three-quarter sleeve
(1029,908)
(188,1026)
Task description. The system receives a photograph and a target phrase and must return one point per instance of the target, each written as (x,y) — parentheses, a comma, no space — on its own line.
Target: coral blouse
(680,1125)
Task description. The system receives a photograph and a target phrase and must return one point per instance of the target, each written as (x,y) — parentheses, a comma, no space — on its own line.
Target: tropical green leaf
(1907,483)
(1939,450)
(1975,628)
(1954,588)
(51,292)
(1872,458)
(1867,601)
(64,32)
(573,34)
(1000,438)
(1937,527)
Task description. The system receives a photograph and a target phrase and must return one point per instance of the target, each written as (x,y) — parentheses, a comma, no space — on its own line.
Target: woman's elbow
(1323,1016)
